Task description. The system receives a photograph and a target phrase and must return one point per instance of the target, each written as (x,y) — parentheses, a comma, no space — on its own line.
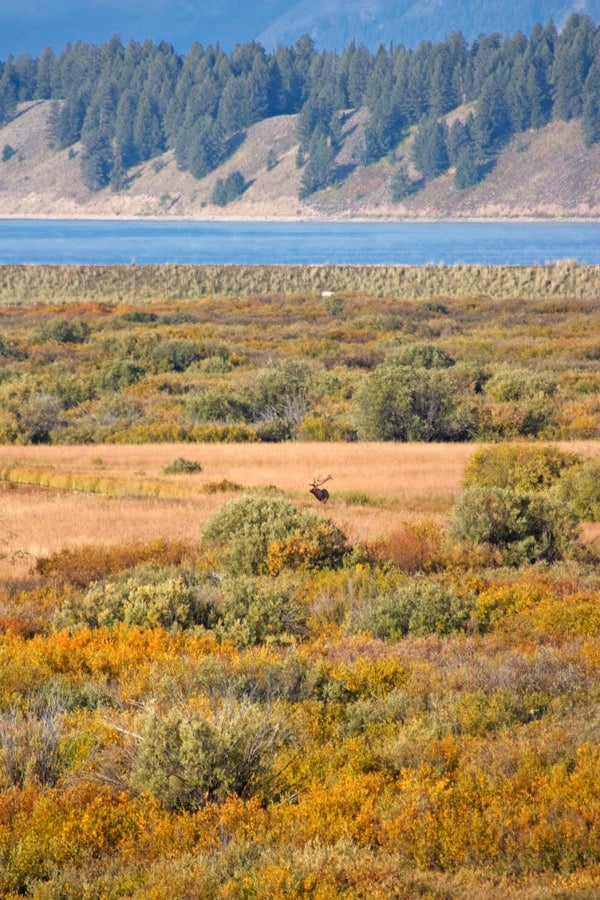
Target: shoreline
(292,220)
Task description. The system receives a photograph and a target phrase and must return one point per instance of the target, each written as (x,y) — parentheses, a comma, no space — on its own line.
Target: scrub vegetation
(213,685)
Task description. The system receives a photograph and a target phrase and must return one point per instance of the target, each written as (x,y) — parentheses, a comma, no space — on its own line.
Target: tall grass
(24,285)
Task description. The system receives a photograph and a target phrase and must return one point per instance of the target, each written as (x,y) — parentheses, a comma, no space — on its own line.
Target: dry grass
(375,488)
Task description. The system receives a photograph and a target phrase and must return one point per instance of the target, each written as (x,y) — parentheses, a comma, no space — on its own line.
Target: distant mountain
(27,26)
(333,24)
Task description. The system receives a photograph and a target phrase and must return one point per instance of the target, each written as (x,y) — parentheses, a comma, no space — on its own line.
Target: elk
(321,493)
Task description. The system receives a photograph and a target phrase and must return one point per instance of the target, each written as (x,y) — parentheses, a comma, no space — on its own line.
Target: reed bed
(27,285)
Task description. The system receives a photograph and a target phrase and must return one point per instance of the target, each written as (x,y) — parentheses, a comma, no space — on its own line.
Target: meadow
(211,685)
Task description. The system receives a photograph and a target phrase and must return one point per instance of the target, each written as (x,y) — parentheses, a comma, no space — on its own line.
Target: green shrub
(175,354)
(39,416)
(519,466)
(257,535)
(417,608)
(522,526)
(513,385)
(397,402)
(182,466)
(148,596)
(188,758)
(217,406)
(252,611)
(66,331)
(580,486)
(228,189)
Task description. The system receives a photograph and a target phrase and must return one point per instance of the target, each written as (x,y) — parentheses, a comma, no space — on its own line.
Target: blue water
(26,241)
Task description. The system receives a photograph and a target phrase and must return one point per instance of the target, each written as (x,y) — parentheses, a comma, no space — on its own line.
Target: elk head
(321,493)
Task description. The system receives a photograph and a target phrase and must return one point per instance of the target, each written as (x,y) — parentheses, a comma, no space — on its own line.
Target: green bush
(398,402)
(254,610)
(175,354)
(228,189)
(66,331)
(182,466)
(522,526)
(580,486)
(417,608)
(519,466)
(257,535)
(513,385)
(187,758)
(148,596)
(214,405)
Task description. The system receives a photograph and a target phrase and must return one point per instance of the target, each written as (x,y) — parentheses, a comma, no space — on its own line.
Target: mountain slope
(334,23)
(547,173)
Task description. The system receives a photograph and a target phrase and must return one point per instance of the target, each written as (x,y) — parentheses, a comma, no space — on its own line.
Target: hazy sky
(29,25)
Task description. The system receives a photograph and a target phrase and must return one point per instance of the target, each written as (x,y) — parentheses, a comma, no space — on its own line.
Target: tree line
(129,104)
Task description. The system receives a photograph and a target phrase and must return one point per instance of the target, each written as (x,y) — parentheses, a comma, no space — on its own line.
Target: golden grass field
(64,496)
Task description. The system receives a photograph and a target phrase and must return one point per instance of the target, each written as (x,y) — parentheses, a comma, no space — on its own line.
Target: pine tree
(590,122)
(97,161)
(319,169)
(430,153)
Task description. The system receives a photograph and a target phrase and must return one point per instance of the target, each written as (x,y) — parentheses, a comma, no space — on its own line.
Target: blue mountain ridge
(27,26)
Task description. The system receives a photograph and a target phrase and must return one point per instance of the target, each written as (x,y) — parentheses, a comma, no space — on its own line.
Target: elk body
(321,493)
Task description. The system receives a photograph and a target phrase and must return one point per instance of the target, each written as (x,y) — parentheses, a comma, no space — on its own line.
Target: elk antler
(317,482)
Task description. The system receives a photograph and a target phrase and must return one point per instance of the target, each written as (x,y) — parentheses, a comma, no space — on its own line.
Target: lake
(50,241)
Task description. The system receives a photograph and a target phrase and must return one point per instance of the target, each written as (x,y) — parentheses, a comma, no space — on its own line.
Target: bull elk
(321,493)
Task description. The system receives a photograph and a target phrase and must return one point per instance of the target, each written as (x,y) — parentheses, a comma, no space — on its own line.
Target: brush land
(213,685)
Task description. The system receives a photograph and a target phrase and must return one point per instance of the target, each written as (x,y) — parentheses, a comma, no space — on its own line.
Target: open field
(69,496)
(63,497)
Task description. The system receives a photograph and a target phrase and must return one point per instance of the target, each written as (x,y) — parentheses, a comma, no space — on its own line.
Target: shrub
(518,466)
(182,466)
(513,385)
(39,416)
(66,331)
(148,596)
(188,758)
(228,189)
(256,535)
(401,403)
(580,485)
(80,566)
(175,354)
(217,406)
(417,608)
(30,747)
(252,611)
(523,526)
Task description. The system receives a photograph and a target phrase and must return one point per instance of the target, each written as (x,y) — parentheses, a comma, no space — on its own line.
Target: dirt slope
(544,174)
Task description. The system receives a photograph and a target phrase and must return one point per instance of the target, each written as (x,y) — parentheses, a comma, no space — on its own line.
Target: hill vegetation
(432,130)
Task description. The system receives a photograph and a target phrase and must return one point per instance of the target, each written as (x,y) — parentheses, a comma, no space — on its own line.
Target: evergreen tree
(492,124)
(430,153)
(573,58)
(590,122)
(125,145)
(45,75)
(148,135)
(97,161)
(319,169)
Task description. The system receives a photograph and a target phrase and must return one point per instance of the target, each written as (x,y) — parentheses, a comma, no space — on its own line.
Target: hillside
(547,173)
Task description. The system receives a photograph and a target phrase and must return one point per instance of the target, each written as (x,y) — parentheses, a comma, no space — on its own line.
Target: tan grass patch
(401,482)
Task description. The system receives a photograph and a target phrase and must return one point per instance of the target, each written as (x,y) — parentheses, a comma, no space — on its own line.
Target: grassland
(351,700)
